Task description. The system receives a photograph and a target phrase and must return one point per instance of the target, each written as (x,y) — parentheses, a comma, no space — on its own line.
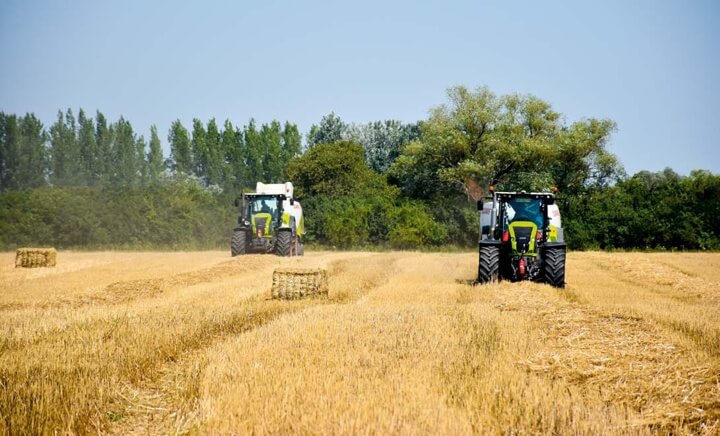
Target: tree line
(379,183)
(86,151)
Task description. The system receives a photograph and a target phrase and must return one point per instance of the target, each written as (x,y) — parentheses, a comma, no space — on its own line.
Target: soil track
(167,342)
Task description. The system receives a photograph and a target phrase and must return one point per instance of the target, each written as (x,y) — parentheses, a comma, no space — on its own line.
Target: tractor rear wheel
(554,265)
(238,244)
(489,268)
(283,240)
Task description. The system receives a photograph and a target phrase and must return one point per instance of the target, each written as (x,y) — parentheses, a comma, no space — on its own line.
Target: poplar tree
(87,145)
(271,152)
(253,143)
(103,141)
(33,154)
(9,152)
(214,156)
(180,149)
(141,164)
(124,153)
(233,148)
(154,157)
(199,150)
(64,151)
(291,144)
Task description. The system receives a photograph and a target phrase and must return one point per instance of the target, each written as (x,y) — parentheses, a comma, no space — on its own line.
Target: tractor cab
(523,221)
(264,211)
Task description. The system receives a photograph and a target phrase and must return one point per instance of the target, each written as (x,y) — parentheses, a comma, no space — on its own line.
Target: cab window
(264,205)
(523,209)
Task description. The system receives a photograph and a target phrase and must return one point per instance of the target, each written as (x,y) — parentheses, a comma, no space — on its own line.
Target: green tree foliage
(103,140)
(199,150)
(291,146)
(331,129)
(155,156)
(271,149)
(414,226)
(649,210)
(172,215)
(334,170)
(89,152)
(66,167)
(181,155)
(9,152)
(33,154)
(142,172)
(254,147)
(383,141)
(518,142)
(126,154)
(234,152)
(23,157)
(91,183)
(351,205)
(215,171)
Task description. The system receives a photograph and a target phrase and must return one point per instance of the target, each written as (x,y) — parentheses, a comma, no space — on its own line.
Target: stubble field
(157,343)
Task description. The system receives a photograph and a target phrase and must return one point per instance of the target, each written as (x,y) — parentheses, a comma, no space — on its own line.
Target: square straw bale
(297,283)
(35,257)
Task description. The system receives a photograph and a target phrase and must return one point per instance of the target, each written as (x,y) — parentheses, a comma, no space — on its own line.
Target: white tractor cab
(270,221)
(521,238)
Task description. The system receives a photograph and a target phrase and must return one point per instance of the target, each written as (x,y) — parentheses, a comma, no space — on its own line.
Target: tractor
(270,221)
(521,238)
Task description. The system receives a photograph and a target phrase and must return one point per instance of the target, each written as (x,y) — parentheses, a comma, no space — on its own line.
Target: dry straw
(35,257)
(296,283)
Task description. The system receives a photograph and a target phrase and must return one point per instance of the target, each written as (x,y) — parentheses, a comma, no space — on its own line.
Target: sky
(651,66)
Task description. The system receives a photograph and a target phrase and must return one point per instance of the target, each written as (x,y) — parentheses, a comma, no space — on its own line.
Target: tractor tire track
(628,359)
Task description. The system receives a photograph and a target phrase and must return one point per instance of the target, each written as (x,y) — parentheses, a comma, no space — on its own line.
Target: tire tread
(489,268)
(554,267)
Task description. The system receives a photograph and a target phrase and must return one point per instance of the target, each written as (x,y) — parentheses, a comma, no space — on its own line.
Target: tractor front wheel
(238,244)
(554,265)
(489,268)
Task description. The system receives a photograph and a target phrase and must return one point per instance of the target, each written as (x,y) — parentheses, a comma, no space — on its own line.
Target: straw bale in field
(296,283)
(35,257)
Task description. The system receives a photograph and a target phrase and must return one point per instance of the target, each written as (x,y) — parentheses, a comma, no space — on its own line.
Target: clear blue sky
(653,67)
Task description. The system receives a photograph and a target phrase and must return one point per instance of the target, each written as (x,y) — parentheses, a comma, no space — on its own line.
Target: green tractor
(521,238)
(270,221)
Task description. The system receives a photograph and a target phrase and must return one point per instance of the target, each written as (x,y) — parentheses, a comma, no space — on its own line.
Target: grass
(190,343)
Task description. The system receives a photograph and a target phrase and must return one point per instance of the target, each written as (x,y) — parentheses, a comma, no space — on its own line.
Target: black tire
(554,266)
(506,271)
(489,268)
(238,245)
(283,239)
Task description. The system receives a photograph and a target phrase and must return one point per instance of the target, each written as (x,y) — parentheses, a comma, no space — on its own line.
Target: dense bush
(349,205)
(172,216)
(648,211)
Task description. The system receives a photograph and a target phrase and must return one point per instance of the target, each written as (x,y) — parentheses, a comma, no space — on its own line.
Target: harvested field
(193,342)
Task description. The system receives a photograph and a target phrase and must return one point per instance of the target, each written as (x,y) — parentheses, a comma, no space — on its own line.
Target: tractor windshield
(524,209)
(264,204)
